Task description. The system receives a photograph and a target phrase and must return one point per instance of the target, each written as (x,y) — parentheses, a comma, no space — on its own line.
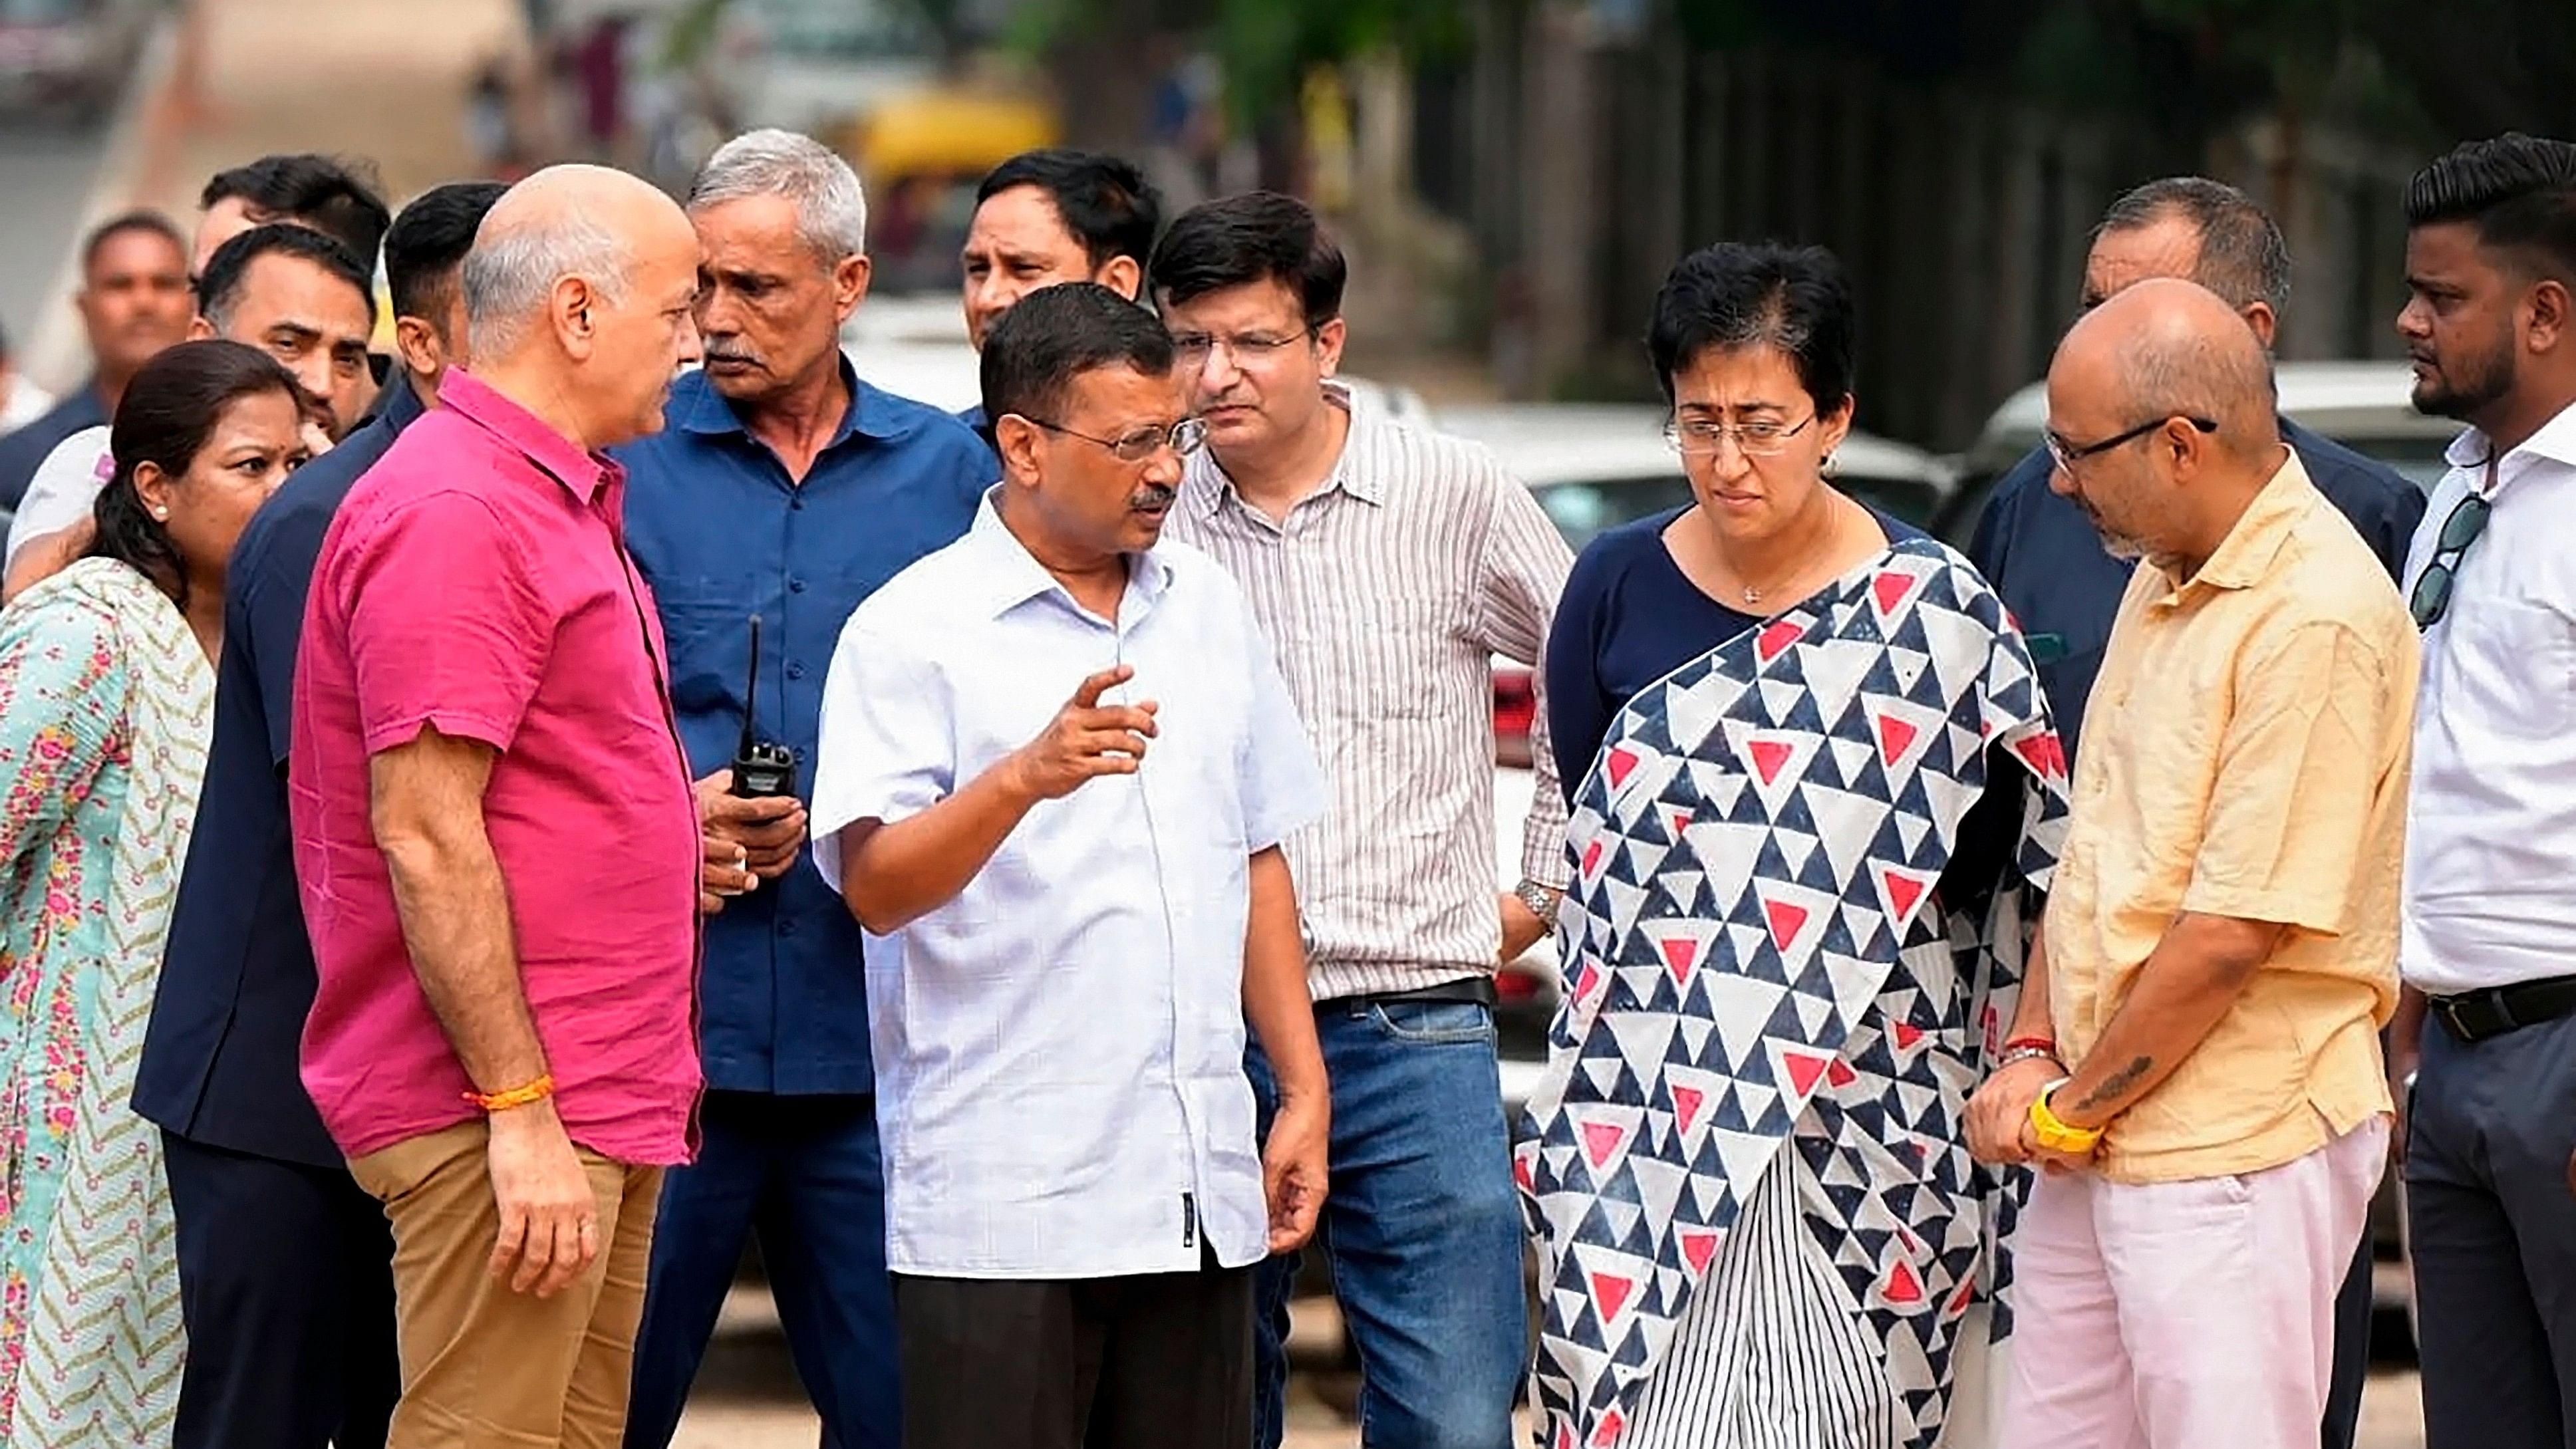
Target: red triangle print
(1891,589)
(1686,1104)
(1786,921)
(1776,636)
(1601,1141)
(1592,860)
(1611,1292)
(1769,757)
(1966,1295)
(1840,1073)
(1564,1436)
(1894,737)
(1902,1285)
(2045,755)
(1613,1424)
(1699,1249)
(1622,762)
(1907,1037)
(1680,821)
(1902,891)
(1681,957)
(1803,1071)
(1584,983)
(1521,1174)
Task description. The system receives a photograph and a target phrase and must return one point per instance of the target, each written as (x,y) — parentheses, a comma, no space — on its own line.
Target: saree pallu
(1747,1158)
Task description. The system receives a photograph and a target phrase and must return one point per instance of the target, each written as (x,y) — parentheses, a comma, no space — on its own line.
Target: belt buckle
(2490,1023)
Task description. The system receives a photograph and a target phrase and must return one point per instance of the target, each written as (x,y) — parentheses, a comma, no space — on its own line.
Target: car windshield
(831,29)
(1583,508)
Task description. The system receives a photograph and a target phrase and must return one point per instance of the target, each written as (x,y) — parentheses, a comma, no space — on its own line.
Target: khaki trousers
(486,1368)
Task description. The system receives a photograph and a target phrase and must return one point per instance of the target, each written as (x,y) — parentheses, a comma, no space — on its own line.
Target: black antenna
(751,689)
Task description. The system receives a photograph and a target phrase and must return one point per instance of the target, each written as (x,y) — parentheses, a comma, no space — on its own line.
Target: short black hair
(1057,334)
(1748,294)
(219,290)
(428,243)
(2243,256)
(165,418)
(2518,191)
(1105,202)
(1259,236)
(125,223)
(338,197)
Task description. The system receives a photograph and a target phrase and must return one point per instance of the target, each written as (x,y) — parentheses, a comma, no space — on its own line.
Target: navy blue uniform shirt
(2044,558)
(23,451)
(722,533)
(220,1057)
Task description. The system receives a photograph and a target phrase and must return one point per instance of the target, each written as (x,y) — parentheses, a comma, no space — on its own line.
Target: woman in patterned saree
(1777,712)
(106,692)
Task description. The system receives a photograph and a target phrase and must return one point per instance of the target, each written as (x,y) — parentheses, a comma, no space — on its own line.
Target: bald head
(2167,348)
(581,278)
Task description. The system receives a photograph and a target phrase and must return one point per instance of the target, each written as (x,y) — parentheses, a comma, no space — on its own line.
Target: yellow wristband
(2054,1134)
(536,1091)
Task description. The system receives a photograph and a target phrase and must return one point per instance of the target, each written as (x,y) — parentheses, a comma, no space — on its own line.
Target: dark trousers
(805,1173)
(286,1283)
(2493,1231)
(1156,1361)
(2352,1315)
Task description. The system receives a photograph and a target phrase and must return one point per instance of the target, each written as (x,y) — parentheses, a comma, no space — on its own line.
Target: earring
(161,515)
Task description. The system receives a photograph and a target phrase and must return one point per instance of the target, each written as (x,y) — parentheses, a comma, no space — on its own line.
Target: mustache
(1152,495)
(718,352)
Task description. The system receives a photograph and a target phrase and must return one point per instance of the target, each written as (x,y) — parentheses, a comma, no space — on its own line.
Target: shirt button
(787,928)
(796,504)
(796,671)
(795,586)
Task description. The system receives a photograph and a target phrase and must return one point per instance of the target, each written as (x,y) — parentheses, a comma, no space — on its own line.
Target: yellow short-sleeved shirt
(2245,754)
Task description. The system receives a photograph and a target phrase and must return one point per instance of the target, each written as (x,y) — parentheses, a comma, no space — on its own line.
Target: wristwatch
(2055,1134)
(1542,900)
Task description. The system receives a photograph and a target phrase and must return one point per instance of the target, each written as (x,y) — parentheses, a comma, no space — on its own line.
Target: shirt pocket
(706,626)
(2515,662)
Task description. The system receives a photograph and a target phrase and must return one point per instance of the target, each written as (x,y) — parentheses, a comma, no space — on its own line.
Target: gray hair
(508,277)
(831,209)
(2243,256)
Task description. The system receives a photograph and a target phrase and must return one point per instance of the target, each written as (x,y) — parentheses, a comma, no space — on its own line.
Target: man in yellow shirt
(2220,944)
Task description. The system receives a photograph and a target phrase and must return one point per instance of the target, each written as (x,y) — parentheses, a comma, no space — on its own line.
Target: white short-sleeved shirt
(1059,1049)
(2491,830)
(62,491)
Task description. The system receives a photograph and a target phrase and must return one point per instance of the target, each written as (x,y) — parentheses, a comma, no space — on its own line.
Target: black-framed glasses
(1184,437)
(2432,596)
(2069,454)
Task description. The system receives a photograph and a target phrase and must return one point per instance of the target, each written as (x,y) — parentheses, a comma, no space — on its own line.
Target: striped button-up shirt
(1386,593)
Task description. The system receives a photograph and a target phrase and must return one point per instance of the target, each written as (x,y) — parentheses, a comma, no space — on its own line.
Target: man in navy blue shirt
(786,490)
(134,301)
(285,1266)
(1053,216)
(2043,556)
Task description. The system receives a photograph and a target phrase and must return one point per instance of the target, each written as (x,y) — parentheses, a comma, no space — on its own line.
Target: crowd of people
(493,829)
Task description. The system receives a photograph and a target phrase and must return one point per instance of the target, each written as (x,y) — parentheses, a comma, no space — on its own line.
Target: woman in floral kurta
(106,702)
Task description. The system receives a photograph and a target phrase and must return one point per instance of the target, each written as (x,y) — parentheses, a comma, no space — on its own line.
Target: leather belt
(1474,990)
(2477,1015)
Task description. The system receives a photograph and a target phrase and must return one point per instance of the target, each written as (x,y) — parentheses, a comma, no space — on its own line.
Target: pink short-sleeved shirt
(475,580)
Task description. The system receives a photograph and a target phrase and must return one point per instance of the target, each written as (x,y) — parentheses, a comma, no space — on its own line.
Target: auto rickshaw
(922,156)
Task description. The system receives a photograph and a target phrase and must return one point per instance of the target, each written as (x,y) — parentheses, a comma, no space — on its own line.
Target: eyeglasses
(1194,348)
(2069,454)
(2432,596)
(1184,437)
(1699,437)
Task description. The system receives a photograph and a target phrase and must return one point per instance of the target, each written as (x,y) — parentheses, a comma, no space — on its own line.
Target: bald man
(2220,945)
(495,839)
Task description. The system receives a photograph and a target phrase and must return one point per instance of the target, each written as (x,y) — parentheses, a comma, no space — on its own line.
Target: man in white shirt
(1075,908)
(2489,925)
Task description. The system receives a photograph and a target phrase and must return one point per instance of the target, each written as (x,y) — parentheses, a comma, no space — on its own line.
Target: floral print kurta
(105,711)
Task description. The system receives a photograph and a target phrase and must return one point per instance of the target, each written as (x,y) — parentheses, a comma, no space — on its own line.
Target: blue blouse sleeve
(1578,708)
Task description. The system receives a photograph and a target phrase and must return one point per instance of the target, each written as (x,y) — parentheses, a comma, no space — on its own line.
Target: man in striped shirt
(1387,567)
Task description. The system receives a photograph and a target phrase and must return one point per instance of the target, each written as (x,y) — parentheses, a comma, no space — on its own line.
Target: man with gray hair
(2048,564)
(782,493)
(496,845)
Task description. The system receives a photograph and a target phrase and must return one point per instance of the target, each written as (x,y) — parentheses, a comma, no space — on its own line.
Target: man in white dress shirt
(2489,922)
(1055,768)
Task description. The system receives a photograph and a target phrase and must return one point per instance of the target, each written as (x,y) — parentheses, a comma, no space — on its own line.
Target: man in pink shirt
(494,833)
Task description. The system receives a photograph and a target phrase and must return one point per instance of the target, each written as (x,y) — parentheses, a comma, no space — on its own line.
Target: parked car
(2366,406)
(1595,467)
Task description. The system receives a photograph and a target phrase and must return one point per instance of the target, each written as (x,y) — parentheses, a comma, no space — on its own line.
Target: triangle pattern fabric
(1765,981)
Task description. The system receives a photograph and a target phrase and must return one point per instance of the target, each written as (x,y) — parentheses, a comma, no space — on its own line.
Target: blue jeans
(1422,1230)
(806,1174)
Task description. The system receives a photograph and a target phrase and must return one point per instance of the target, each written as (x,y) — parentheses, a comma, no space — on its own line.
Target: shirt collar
(1017,577)
(399,405)
(703,410)
(2246,554)
(2555,443)
(582,474)
(1361,483)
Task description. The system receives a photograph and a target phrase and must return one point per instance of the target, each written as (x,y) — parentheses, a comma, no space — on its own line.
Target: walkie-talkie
(760,768)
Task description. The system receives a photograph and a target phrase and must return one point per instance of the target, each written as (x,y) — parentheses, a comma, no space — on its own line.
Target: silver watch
(1542,900)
